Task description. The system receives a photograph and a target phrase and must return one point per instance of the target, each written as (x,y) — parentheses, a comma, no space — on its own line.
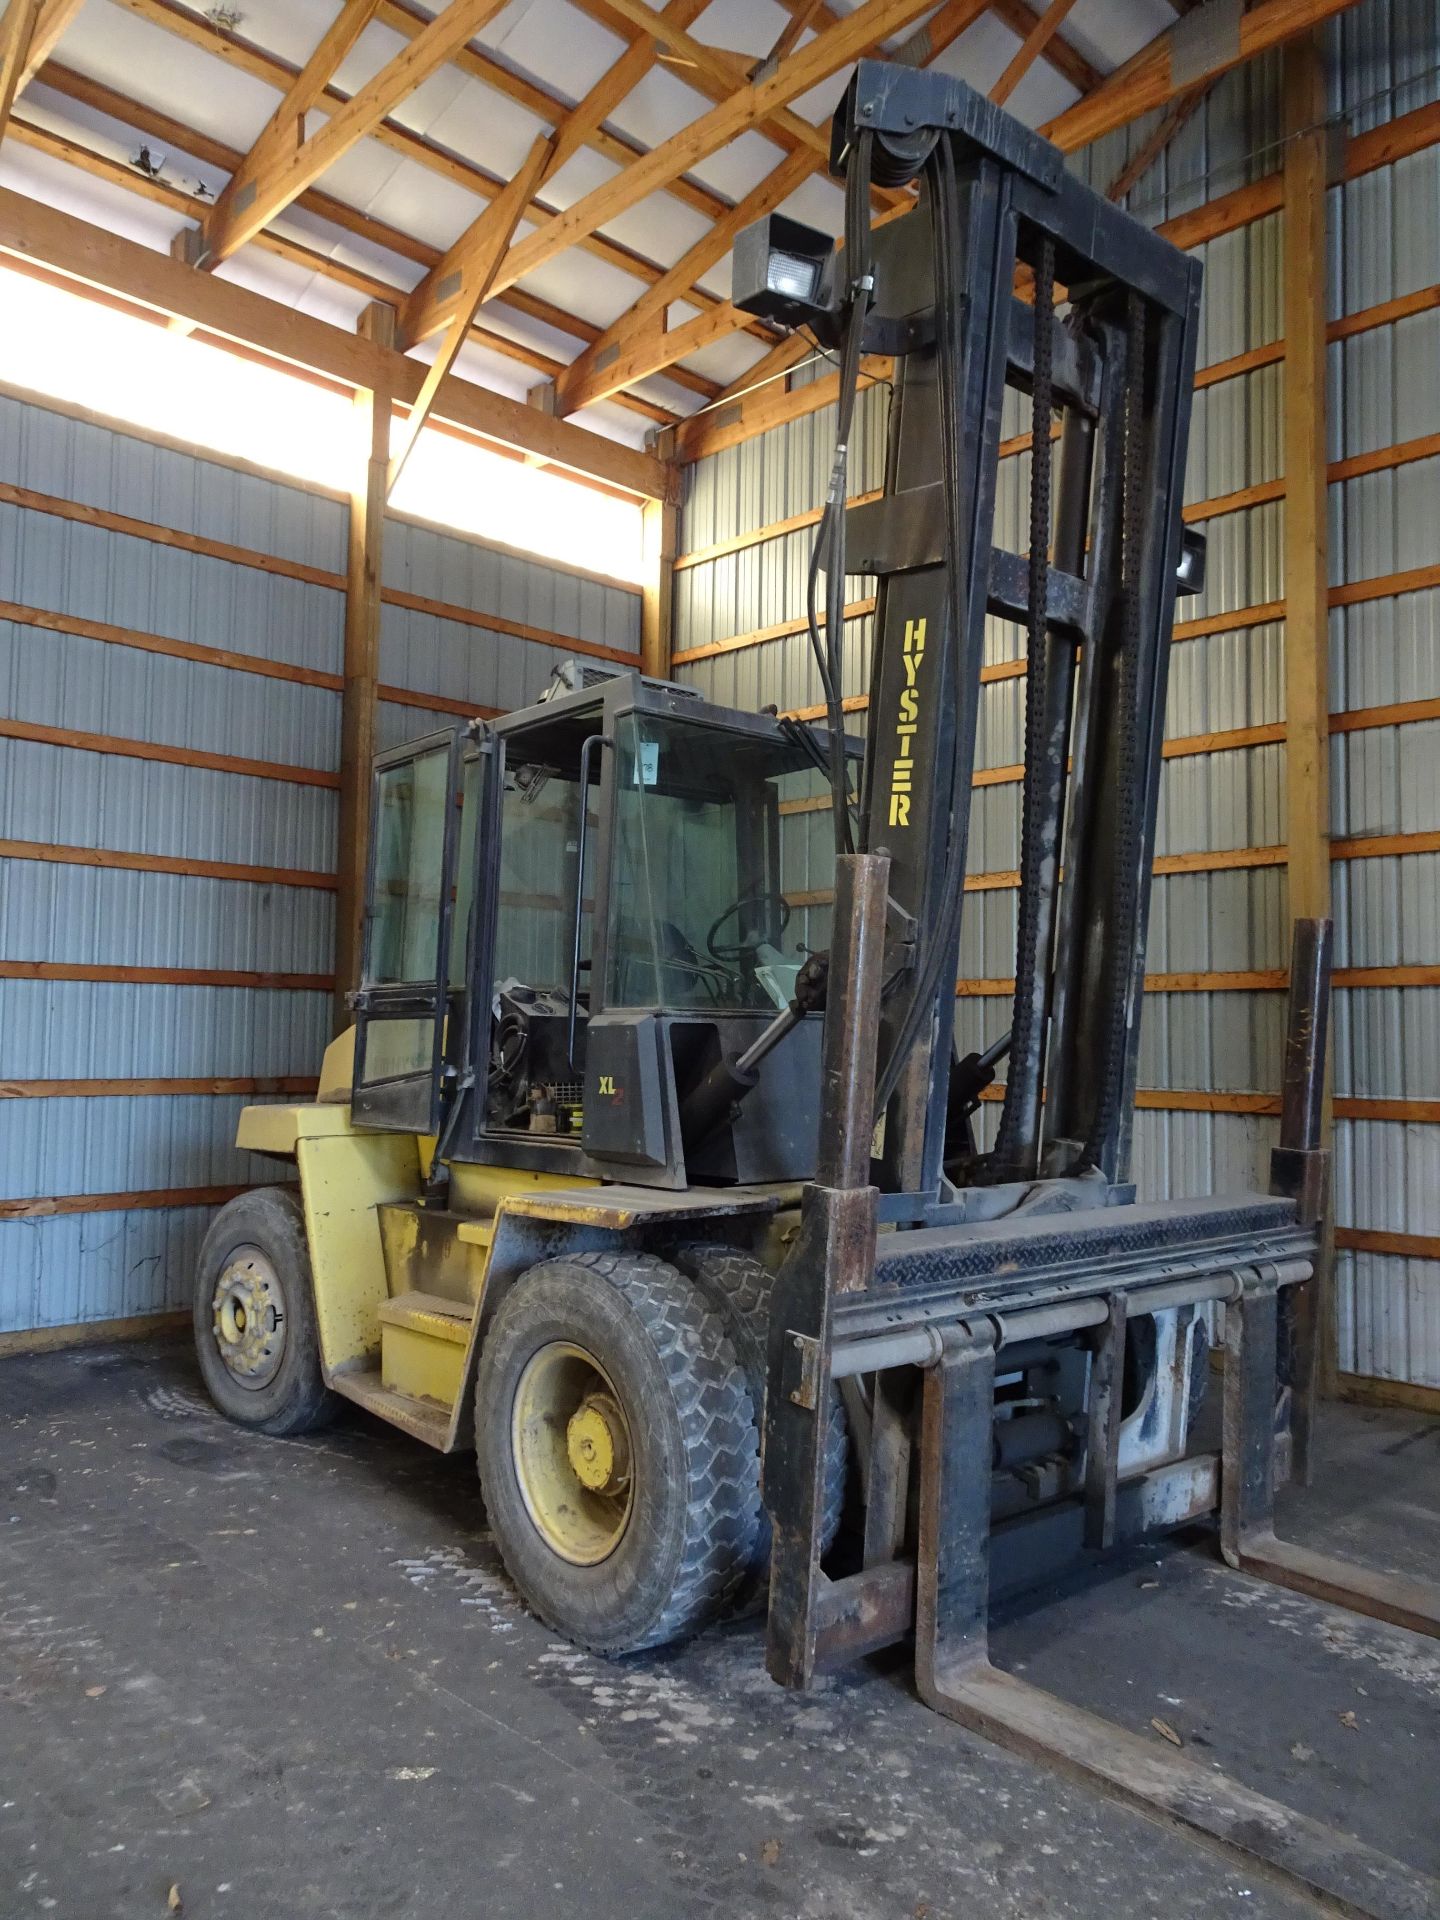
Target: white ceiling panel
(58,185)
(581,174)
(584,285)
(820,202)
(295,286)
(291,29)
(1107,32)
(557,45)
(660,106)
(376,48)
(402,193)
(739,168)
(473,121)
(659,227)
(154,67)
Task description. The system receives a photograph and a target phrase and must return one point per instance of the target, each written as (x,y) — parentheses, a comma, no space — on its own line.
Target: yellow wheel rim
(570,1440)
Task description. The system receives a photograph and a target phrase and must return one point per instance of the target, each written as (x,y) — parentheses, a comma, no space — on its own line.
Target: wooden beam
(657,585)
(282,135)
(361,664)
(89,255)
(285,171)
(17,37)
(1307,595)
(1147,79)
(51,19)
(1030,49)
(870,22)
(484,248)
(1307,574)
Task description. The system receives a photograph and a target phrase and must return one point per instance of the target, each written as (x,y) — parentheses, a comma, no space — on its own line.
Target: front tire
(617,1450)
(254,1316)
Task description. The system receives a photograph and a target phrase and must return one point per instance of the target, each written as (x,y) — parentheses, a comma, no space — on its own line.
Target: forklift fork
(952,1664)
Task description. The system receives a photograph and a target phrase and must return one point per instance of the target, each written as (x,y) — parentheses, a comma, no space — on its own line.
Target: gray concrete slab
(290,1678)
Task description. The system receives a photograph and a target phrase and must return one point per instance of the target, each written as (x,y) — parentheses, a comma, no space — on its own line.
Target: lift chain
(1130,800)
(1033,850)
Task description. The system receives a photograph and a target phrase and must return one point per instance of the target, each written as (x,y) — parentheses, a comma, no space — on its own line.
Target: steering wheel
(747,949)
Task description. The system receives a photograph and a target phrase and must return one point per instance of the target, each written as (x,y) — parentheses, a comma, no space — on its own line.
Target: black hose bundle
(827,555)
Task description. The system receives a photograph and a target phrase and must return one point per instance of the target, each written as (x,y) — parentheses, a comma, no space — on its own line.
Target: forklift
(649,1169)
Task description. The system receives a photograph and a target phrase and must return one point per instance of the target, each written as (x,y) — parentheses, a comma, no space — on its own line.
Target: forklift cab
(574,913)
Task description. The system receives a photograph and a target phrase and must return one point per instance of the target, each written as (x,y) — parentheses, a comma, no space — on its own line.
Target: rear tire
(739,1287)
(663,1545)
(254,1316)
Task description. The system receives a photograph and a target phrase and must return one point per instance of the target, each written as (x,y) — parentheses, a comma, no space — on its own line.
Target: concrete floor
(288,1678)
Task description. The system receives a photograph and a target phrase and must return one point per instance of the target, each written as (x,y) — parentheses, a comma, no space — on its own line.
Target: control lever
(726,1084)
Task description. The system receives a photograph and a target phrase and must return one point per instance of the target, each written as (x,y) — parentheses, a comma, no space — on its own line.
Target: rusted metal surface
(1102,1453)
(834,1254)
(852,1021)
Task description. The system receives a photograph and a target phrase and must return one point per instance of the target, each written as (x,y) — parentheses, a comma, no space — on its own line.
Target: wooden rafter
(618,148)
(640,343)
(283,134)
(29,33)
(1030,49)
(199,146)
(488,239)
(17,36)
(286,170)
(590,376)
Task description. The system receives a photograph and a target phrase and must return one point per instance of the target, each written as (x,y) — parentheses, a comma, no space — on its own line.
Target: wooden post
(1307,642)
(657,588)
(362,663)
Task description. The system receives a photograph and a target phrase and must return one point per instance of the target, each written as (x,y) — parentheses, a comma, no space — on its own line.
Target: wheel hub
(248,1318)
(570,1442)
(598,1445)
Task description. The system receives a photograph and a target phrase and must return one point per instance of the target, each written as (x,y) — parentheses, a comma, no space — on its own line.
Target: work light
(780,270)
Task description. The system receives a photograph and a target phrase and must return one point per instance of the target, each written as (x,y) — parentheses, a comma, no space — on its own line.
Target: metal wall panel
(105,1265)
(1384,389)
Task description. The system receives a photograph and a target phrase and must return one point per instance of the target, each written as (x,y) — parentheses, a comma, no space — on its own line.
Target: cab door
(403,1000)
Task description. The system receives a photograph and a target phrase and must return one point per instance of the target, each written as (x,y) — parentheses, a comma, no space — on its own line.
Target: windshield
(722,841)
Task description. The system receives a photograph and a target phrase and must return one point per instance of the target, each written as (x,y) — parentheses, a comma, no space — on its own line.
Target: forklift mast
(963,294)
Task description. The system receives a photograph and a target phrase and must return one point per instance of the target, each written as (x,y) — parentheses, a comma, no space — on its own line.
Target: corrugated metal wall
(1219,903)
(170,649)
(1384,652)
